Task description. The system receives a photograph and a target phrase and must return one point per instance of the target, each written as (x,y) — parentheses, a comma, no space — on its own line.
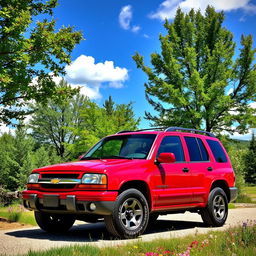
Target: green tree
(98,123)
(8,175)
(55,123)
(109,106)
(250,162)
(196,81)
(19,156)
(30,50)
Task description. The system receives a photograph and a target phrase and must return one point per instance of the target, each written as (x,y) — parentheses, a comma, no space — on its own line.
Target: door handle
(185,169)
(209,169)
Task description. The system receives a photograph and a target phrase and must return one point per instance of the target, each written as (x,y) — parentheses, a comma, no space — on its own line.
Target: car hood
(92,165)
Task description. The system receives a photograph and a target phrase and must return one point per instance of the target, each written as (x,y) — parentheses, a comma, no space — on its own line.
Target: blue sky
(115,29)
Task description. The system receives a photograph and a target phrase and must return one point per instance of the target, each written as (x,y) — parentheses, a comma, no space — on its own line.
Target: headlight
(33,178)
(94,178)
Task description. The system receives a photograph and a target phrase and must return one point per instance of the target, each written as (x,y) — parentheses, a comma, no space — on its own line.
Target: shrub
(14,213)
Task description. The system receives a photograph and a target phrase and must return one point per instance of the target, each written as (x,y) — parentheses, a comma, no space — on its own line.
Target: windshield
(122,146)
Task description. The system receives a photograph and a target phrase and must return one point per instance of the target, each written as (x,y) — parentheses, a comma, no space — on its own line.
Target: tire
(216,211)
(54,223)
(130,215)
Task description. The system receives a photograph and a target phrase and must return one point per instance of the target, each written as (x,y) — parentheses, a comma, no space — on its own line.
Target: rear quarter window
(217,151)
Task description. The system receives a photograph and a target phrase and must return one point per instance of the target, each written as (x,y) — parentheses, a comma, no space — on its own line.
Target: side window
(193,149)
(196,149)
(217,151)
(205,155)
(172,144)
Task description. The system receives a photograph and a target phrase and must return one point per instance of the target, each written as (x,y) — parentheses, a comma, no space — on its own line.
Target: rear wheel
(216,211)
(54,223)
(130,215)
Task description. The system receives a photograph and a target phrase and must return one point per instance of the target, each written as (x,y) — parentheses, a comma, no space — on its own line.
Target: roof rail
(172,129)
(124,131)
(141,130)
(153,128)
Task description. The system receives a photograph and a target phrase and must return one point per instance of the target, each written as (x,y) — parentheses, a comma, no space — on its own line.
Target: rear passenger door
(173,181)
(200,168)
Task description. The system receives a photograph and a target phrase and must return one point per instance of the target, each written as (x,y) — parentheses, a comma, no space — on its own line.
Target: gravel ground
(20,241)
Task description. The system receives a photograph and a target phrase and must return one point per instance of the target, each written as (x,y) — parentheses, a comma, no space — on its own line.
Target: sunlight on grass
(250,192)
(17,213)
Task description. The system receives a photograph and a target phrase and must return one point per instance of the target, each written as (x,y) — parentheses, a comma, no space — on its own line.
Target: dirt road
(13,242)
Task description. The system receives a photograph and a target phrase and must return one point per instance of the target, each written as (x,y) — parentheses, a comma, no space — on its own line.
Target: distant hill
(240,144)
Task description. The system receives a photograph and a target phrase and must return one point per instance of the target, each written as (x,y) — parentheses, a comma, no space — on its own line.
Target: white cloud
(167,9)
(90,76)
(135,29)
(125,18)
(84,70)
(247,136)
(253,104)
(91,92)
(6,129)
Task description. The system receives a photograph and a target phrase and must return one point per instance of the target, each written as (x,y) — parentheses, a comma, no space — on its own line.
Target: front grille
(46,178)
(60,175)
(58,186)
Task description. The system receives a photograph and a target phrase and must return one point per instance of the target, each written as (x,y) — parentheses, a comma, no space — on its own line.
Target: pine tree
(250,162)
(109,106)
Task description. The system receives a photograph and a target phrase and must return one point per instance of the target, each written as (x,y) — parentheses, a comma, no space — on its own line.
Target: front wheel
(130,215)
(54,223)
(216,212)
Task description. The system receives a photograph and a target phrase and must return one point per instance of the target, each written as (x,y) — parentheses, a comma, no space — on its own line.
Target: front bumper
(233,193)
(99,203)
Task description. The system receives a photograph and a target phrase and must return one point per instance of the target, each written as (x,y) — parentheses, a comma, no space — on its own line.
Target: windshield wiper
(90,158)
(116,157)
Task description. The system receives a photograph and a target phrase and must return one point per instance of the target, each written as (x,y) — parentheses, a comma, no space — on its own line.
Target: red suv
(130,178)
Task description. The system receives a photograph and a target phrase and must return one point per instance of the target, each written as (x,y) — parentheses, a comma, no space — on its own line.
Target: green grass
(236,241)
(250,192)
(17,213)
(231,206)
(243,198)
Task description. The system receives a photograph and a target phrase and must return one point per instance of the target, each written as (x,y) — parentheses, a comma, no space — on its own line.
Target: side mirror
(166,158)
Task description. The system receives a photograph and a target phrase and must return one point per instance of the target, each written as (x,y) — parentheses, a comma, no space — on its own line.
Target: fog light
(92,207)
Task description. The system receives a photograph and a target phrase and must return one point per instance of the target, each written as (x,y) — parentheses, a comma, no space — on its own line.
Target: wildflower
(194,244)
(151,254)
(135,247)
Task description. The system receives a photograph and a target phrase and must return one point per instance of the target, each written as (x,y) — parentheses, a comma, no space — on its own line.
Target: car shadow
(97,231)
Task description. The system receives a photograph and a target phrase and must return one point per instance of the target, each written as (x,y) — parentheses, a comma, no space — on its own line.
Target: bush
(14,213)
(243,198)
